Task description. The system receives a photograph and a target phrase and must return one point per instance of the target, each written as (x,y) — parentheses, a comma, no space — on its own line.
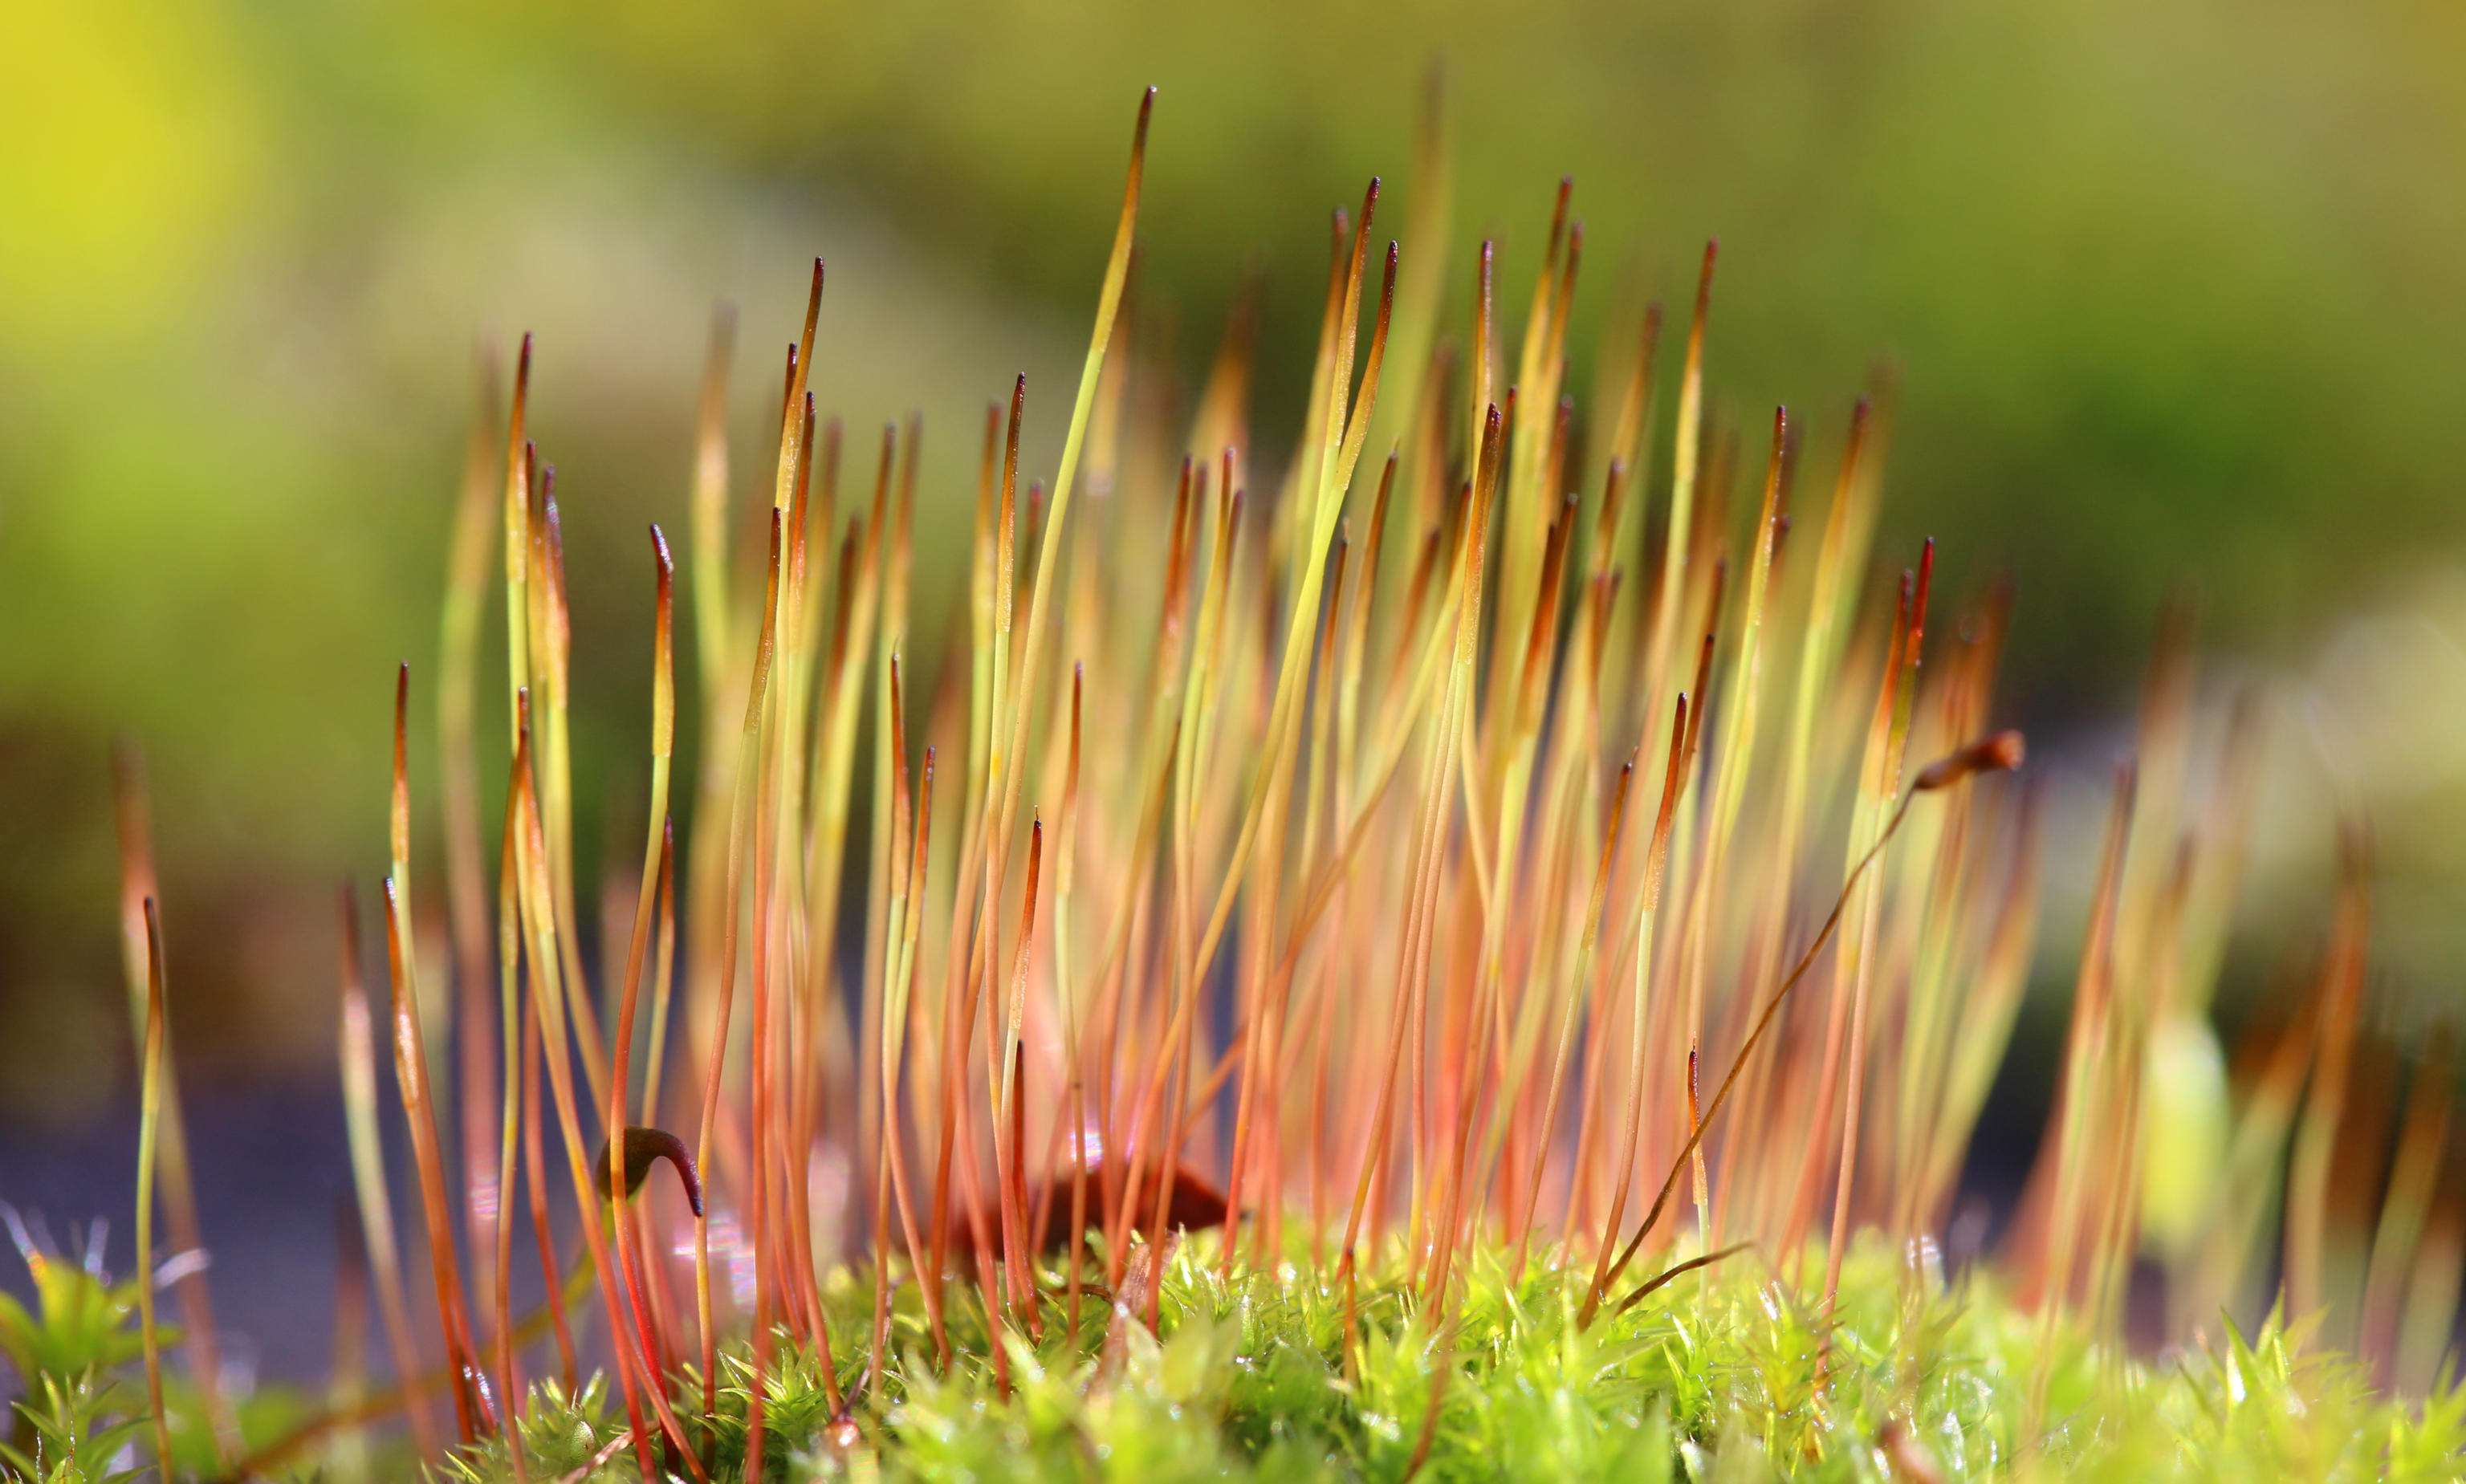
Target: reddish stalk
(663,714)
(1902,683)
(535,1187)
(1647,903)
(971,920)
(410,1074)
(377,1224)
(1578,1007)
(1845,999)
(1412,970)
(766,1146)
(1011,1109)
(555,1040)
(517,1070)
(1076,1104)
(1263,1024)
(891,1169)
(740,818)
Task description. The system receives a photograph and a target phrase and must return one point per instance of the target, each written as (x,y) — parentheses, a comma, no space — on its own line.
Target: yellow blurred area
(133,155)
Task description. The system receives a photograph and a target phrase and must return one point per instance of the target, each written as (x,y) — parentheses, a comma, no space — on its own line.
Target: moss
(1726,1378)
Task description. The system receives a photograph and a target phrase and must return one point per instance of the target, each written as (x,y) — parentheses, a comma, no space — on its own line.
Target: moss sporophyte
(1471,953)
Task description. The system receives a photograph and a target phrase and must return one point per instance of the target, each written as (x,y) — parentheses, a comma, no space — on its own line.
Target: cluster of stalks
(1381,856)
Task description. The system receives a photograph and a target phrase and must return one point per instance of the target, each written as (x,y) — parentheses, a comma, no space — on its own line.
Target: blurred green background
(2180,287)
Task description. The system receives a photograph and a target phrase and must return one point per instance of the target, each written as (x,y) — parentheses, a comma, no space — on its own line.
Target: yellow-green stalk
(148,1140)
